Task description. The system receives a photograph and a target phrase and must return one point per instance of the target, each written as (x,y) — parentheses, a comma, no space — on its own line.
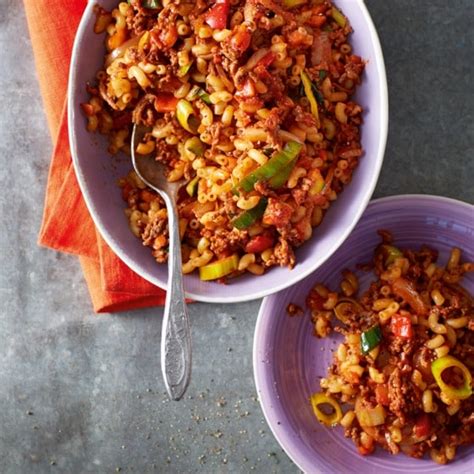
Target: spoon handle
(176,334)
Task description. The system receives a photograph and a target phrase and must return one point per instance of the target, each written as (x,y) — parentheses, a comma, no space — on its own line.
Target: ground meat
(305,118)
(230,208)
(224,243)
(154,228)
(166,153)
(145,112)
(168,82)
(294,310)
(300,193)
(397,391)
(292,235)
(139,19)
(274,119)
(277,213)
(422,360)
(464,350)
(161,255)
(283,254)
(354,68)
(401,346)
(470,324)
(215,132)
(272,125)
(104,94)
(276,87)
(264,189)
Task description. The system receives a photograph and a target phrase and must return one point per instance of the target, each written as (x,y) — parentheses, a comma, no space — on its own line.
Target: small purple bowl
(97,172)
(288,359)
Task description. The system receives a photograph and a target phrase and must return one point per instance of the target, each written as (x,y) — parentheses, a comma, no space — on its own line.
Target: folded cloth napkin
(67,225)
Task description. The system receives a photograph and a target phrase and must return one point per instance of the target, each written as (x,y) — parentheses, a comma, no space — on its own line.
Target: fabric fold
(67,225)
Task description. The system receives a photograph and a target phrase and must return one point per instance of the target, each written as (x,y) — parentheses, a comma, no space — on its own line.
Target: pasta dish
(402,377)
(249,103)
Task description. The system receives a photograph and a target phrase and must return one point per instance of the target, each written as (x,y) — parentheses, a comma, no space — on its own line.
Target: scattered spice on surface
(218,434)
(221,402)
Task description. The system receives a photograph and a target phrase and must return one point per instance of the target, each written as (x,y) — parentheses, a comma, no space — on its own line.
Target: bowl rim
(296,275)
(262,388)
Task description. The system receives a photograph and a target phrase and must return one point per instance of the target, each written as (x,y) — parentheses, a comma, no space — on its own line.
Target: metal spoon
(176,334)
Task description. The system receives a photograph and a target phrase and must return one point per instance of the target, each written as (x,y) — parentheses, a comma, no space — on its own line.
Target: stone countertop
(83,393)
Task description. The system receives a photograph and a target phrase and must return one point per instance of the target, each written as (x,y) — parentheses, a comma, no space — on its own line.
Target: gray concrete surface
(81,393)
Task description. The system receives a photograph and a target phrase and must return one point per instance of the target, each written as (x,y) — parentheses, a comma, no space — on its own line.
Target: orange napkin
(67,225)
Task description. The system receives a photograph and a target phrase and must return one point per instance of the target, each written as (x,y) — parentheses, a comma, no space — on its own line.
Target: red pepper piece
(240,40)
(364,451)
(381,394)
(267,59)
(259,243)
(165,38)
(169,36)
(217,15)
(165,102)
(422,426)
(277,213)
(401,326)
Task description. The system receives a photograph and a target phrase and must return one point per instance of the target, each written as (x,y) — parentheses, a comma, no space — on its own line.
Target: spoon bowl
(151,171)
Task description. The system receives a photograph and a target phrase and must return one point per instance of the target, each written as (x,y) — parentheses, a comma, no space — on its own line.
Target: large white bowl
(97,172)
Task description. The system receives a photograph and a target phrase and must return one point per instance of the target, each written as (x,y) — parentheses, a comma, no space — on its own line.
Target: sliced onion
(120,51)
(345,307)
(331,419)
(406,290)
(289,137)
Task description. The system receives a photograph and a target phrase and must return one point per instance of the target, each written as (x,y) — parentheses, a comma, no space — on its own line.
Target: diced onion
(369,416)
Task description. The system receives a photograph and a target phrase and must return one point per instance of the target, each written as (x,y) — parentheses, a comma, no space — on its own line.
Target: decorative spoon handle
(176,334)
